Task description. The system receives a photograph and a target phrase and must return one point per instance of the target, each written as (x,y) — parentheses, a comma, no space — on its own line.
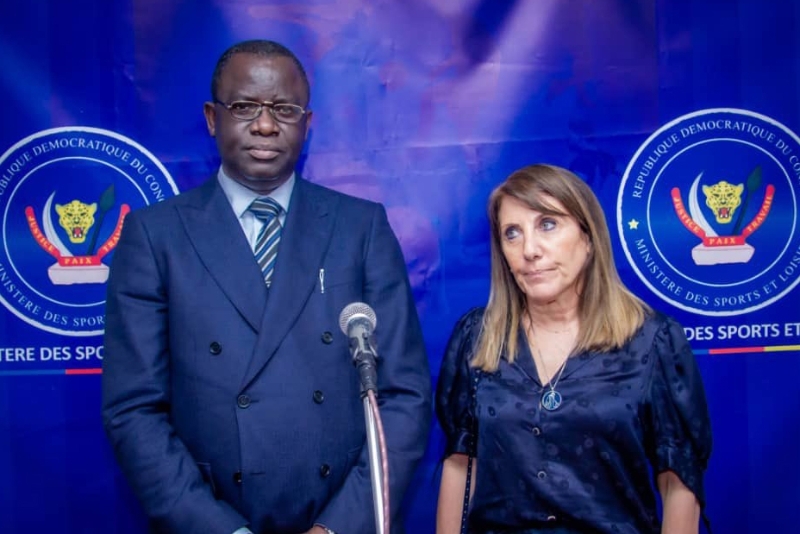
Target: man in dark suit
(229,393)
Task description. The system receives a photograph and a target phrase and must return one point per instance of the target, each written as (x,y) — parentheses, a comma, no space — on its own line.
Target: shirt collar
(241,197)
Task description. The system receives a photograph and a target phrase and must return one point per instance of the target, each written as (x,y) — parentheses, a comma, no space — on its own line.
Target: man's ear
(211,118)
(308,124)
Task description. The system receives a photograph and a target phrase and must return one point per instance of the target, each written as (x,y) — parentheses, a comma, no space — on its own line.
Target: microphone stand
(375,464)
(378,463)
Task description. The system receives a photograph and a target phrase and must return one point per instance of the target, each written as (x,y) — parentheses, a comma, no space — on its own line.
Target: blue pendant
(551,400)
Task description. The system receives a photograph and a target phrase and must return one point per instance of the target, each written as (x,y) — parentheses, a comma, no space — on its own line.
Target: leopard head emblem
(76,218)
(723,199)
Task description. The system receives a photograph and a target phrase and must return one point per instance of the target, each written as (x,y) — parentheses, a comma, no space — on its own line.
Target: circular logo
(64,194)
(707,212)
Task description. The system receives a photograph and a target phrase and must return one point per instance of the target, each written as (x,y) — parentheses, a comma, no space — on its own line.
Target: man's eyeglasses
(247,110)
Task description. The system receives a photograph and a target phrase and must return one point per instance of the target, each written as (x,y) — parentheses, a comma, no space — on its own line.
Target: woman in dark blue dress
(567,399)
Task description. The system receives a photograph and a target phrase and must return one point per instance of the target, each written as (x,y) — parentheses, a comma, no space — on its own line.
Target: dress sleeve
(680,429)
(454,389)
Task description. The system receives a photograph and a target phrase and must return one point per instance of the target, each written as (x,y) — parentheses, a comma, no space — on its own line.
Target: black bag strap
(470,456)
(465,509)
(474,328)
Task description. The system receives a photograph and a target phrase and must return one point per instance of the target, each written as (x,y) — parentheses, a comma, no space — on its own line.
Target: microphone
(357,322)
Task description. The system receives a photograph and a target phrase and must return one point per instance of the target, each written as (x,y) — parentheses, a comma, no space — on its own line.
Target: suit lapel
(222,246)
(304,242)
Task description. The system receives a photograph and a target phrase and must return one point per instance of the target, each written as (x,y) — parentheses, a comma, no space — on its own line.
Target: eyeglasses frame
(270,106)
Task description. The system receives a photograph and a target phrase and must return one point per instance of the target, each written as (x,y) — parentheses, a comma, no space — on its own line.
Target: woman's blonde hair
(608,312)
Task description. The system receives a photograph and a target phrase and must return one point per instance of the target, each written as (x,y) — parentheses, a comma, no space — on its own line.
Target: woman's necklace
(552,399)
(564,331)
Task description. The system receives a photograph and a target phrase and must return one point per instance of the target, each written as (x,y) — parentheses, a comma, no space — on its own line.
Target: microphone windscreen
(357,310)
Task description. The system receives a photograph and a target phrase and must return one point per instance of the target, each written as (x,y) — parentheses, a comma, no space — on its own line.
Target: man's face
(260,154)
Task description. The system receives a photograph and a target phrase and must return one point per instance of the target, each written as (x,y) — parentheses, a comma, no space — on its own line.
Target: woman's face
(546,253)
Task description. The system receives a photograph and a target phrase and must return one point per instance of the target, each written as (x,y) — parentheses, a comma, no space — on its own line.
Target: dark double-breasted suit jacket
(228,403)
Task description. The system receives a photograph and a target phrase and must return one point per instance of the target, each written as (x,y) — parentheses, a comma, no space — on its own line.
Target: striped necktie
(266,247)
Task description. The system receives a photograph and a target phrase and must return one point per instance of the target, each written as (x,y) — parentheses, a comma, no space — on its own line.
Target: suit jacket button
(215,348)
(243,401)
(327,338)
(324,470)
(319,397)
(237,478)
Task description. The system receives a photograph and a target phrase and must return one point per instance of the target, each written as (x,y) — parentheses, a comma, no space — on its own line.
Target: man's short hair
(258,47)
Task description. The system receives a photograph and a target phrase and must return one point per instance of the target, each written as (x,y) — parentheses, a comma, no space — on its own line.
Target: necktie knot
(265,209)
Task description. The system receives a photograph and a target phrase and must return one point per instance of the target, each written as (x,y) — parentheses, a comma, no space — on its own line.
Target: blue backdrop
(424,105)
